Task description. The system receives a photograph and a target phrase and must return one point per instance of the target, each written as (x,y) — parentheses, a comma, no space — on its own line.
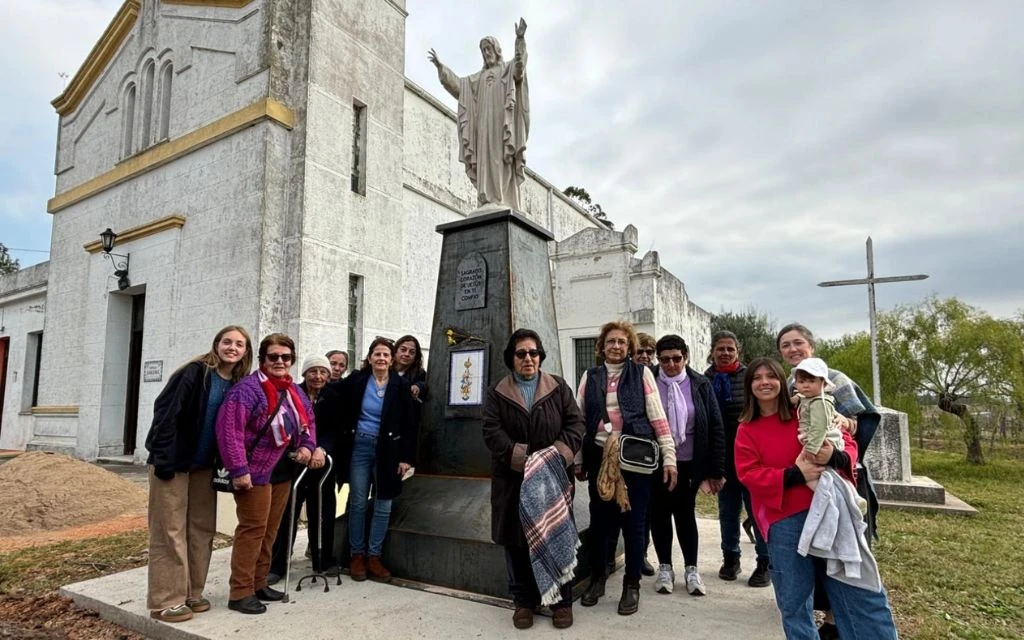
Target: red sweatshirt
(765,448)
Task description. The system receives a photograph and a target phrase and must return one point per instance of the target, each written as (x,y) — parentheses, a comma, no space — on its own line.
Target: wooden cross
(871,281)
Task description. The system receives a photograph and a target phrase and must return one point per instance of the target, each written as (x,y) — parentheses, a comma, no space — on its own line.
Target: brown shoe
(357,568)
(561,617)
(377,570)
(522,618)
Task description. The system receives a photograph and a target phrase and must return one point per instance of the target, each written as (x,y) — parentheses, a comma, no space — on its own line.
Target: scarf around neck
(272,388)
(721,383)
(675,404)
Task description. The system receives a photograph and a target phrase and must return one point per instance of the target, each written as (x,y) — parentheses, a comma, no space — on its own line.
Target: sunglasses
(283,357)
(672,359)
(522,353)
(649,352)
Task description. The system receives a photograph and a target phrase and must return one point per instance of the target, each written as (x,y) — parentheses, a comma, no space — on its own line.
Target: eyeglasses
(672,359)
(283,357)
(649,352)
(522,353)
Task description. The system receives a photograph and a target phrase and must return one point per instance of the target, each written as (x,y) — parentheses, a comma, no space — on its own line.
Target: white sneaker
(694,585)
(665,580)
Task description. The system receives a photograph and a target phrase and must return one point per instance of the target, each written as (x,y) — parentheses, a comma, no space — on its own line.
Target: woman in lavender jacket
(251,442)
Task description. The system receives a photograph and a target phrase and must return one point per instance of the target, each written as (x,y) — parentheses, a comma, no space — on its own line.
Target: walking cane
(317,556)
(291,532)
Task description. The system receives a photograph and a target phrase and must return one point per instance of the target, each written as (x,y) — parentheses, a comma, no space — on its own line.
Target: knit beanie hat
(315,361)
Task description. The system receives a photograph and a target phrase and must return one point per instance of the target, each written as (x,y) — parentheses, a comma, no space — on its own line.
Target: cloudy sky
(755,145)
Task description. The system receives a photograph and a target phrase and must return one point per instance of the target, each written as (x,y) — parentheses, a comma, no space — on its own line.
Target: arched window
(166,73)
(147,105)
(128,122)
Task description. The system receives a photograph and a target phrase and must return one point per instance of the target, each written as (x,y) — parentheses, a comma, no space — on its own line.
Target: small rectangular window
(585,352)
(355,319)
(359,148)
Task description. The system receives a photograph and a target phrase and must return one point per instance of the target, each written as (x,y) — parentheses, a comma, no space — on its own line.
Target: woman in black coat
(182,444)
(527,411)
(378,427)
(696,425)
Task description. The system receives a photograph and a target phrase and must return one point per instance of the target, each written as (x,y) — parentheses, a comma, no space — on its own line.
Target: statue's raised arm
(493,120)
(449,80)
(519,62)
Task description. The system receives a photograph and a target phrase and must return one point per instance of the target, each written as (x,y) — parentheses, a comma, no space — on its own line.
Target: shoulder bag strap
(266,425)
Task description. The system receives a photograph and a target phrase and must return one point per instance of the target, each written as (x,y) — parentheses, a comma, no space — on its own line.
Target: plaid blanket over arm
(545,510)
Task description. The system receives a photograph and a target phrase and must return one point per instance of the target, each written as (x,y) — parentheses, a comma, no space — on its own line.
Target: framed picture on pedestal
(467,377)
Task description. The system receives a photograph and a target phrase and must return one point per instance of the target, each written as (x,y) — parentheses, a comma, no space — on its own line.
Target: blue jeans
(731,499)
(364,468)
(859,613)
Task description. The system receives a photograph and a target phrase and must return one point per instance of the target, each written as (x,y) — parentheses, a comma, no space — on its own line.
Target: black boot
(594,591)
(761,576)
(630,600)
(730,567)
(647,569)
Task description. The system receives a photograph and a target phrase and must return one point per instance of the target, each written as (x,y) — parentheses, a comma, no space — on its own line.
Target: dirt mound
(48,491)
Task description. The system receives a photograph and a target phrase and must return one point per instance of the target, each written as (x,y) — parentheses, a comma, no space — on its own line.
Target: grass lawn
(958,577)
(37,570)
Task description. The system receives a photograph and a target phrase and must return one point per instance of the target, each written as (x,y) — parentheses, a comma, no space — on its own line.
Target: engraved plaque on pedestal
(471,282)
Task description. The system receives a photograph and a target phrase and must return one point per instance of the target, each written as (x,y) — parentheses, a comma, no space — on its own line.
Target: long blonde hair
(213,361)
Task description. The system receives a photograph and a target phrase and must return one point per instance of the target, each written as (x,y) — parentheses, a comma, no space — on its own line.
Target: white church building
(263,163)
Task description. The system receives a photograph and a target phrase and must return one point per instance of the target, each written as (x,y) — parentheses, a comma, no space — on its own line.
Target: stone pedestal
(888,460)
(494,278)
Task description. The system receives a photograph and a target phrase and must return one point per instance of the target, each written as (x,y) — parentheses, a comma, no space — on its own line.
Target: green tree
(851,354)
(7,263)
(582,198)
(755,329)
(963,357)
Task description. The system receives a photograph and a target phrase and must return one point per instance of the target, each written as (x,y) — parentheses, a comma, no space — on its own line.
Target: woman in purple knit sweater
(263,416)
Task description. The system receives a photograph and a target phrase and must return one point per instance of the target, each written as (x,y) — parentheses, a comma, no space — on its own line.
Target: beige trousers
(182,523)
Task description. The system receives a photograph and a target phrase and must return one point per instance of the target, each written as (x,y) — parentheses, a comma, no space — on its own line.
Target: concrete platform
(916,489)
(369,610)
(950,504)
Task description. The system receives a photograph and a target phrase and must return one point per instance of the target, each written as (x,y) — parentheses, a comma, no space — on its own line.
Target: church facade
(263,163)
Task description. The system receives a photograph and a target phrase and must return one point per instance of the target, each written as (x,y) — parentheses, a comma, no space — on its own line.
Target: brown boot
(561,617)
(357,568)
(522,618)
(377,570)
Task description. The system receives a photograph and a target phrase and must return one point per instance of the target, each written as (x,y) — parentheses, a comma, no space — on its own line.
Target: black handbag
(636,454)
(639,455)
(221,480)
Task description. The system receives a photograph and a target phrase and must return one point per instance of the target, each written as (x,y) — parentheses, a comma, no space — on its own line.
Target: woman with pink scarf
(696,425)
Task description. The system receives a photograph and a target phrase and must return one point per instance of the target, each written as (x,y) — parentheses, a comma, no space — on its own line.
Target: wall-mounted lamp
(119,261)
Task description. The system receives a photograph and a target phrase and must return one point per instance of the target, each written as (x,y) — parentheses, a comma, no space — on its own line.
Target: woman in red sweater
(771,463)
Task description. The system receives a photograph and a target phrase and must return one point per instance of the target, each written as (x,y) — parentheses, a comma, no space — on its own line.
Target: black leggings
(680,505)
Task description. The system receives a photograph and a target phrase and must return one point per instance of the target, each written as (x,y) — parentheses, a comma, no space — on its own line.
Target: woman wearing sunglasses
(527,411)
(263,415)
(699,437)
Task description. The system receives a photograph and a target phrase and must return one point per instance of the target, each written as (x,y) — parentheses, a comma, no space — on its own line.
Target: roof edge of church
(102,53)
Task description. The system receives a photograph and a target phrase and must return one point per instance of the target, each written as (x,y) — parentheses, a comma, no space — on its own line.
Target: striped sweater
(655,412)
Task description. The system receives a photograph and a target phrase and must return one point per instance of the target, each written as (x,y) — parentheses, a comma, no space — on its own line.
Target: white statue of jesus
(493,120)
